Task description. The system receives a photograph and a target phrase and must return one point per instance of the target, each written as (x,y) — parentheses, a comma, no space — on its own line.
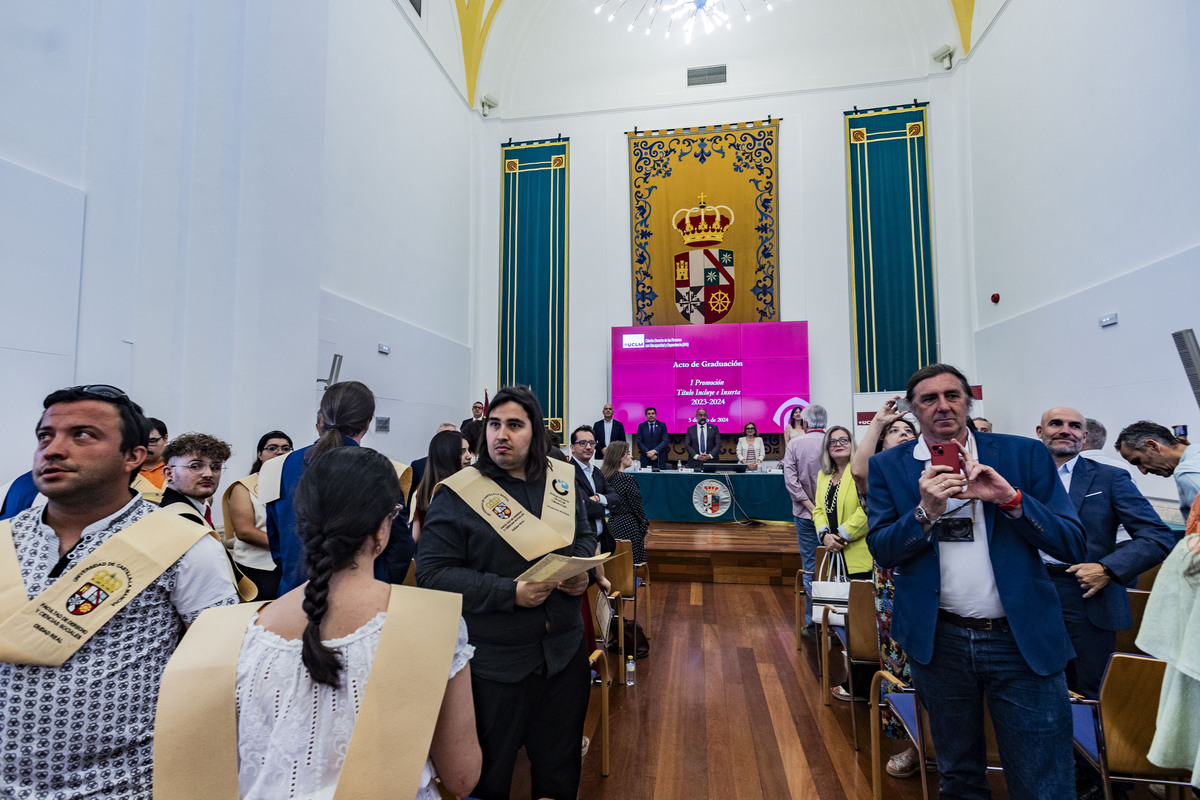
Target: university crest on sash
(87,597)
(495,504)
(703,275)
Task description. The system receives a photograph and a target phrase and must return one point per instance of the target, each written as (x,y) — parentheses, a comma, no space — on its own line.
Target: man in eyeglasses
(194,465)
(107,584)
(152,477)
(590,482)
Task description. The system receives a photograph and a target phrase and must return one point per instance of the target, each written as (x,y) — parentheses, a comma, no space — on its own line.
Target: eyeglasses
(838,442)
(586,442)
(153,440)
(277,448)
(198,467)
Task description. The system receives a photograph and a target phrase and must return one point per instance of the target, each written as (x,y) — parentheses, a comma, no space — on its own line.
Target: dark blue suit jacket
(1105,498)
(1048,523)
(647,441)
(21,495)
(618,434)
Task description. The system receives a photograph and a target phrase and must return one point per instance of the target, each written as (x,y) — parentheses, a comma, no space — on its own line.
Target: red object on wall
(995,297)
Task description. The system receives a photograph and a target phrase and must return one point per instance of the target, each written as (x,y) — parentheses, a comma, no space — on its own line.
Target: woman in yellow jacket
(840,519)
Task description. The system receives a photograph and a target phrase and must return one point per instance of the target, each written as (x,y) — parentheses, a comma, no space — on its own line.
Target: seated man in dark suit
(1094,600)
(703,441)
(607,430)
(194,465)
(652,440)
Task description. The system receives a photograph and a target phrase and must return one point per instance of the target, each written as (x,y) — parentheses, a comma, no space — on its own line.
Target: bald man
(1094,601)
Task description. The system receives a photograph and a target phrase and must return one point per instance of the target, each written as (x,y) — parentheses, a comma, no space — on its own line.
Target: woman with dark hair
(347,409)
(627,520)
(750,450)
(246,519)
(448,453)
(887,429)
(318,670)
(792,427)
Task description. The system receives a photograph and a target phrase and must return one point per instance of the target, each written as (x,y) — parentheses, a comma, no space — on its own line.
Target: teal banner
(533,273)
(891,264)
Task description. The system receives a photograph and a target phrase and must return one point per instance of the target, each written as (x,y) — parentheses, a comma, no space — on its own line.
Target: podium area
(676,496)
(764,554)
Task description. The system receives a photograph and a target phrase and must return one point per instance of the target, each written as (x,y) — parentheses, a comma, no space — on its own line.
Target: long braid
(323,664)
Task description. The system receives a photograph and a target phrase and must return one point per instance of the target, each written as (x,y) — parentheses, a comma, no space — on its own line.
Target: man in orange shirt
(153,468)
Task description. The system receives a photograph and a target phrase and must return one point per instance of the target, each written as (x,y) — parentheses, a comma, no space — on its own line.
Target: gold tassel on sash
(195,736)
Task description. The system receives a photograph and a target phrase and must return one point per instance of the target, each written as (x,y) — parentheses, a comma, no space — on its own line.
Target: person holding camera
(962,516)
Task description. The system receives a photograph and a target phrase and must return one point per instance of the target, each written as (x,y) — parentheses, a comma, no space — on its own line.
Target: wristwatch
(923,517)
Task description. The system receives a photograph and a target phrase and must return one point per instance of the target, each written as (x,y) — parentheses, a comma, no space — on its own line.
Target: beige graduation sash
(251,484)
(146,488)
(246,589)
(48,629)
(195,735)
(525,533)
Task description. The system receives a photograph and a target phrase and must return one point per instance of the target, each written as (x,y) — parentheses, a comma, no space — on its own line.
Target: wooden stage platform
(728,552)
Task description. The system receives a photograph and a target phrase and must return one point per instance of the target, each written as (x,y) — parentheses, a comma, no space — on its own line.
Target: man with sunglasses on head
(96,590)
(194,465)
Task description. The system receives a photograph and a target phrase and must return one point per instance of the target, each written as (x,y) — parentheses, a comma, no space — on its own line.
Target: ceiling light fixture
(683,15)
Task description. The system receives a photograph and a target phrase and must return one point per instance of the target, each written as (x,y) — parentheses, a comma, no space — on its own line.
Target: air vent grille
(703,76)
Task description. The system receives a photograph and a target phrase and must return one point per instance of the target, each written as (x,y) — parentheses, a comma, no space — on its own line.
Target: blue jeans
(1030,712)
(806,534)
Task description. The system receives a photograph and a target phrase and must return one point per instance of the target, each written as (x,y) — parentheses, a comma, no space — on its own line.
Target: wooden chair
(641,577)
(1137,607)
(800,573)
(620,573)
(859,638)
(1113,734)
(599,662)
(1145,580)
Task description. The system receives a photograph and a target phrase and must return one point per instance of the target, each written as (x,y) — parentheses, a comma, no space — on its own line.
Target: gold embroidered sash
(195,736)
(48,629)
(525,533)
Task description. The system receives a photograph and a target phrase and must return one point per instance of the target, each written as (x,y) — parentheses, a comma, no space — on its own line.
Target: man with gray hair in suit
(801,463)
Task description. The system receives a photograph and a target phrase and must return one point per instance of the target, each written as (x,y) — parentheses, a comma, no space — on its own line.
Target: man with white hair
(801,463)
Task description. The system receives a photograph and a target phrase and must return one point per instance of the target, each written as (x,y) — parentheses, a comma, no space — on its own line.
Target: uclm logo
(632,340)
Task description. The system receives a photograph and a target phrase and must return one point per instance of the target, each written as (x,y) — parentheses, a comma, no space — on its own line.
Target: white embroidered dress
(293,732)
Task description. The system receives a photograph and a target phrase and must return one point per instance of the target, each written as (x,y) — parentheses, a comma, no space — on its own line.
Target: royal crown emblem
(495,504)
(702,225)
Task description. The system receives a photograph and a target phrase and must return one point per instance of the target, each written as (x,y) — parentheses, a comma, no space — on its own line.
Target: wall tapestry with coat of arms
(705,224)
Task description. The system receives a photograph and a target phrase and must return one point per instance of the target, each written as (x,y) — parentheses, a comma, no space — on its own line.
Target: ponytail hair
(343,498)
(346,410)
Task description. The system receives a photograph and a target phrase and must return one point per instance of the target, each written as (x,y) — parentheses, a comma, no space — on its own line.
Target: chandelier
(681,15)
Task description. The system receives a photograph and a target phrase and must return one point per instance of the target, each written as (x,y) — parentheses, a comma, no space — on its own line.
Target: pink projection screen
(744,372)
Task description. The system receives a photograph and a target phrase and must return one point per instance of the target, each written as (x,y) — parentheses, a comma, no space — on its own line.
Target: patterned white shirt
(85,728)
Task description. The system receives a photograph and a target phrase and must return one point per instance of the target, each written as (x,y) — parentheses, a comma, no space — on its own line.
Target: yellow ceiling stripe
(964,11)
(474,28)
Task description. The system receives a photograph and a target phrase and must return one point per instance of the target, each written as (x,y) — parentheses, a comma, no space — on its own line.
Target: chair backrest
(601,612)
(860,619)
(619,569)
(820,559)
(1145,580)
(1137,607)
(1128,712)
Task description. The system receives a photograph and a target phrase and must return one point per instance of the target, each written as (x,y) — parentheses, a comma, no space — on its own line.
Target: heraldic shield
(704,284)
(86,598)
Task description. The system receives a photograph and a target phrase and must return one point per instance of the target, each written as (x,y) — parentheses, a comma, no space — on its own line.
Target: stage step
(764,554)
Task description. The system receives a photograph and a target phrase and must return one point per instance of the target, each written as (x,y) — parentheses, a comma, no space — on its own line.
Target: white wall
(1085,202)
(813,278)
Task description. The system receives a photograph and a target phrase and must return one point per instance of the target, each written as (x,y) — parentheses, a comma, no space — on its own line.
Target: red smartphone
(946,455)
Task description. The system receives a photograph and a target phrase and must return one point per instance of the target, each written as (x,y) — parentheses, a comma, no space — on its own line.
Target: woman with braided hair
(347,409)
(306,658)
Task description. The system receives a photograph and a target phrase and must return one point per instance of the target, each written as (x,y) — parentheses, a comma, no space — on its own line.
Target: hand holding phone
(945,455)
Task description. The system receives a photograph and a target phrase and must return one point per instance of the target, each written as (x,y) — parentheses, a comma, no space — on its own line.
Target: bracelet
(1011,505)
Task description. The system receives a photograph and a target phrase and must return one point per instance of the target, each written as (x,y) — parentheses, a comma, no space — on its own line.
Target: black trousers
(1093,645)
(543,714)
(267,581)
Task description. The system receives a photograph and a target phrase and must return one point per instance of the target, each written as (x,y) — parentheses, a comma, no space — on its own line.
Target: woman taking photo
(627,520)
(246,519)
(308,720)
(750,450)
(449,452)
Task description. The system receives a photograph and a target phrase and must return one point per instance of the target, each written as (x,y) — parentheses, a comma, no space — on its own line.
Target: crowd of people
(998,573)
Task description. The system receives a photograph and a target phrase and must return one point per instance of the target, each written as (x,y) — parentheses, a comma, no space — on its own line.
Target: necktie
(208,515)
(703,449)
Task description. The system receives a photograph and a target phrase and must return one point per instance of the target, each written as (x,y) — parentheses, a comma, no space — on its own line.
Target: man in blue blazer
(975,609)
(652,441)
(1095,603)
(607,430)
